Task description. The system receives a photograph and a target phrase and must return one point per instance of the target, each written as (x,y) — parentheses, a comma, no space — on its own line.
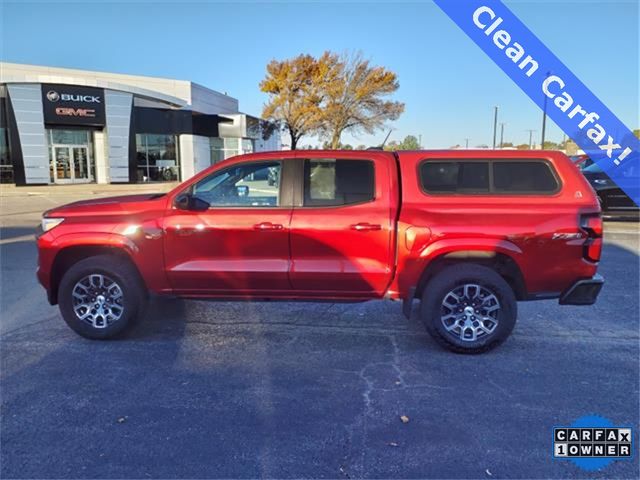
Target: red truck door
(343,231)
(240,245)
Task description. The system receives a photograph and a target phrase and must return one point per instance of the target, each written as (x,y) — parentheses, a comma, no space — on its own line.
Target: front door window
(242,185)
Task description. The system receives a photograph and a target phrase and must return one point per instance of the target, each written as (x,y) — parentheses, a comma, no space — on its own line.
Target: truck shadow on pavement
(8,234)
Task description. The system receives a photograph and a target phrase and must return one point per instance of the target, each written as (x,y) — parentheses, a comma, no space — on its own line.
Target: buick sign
(53,96)
(73,105)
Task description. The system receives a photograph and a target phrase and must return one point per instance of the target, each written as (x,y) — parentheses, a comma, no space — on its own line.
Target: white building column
(100,149)
(26,100)
(118,106)
(195,155)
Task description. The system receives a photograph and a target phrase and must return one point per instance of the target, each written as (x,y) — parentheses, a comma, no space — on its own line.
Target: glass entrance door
(70,164)
(61,165)
(80,164)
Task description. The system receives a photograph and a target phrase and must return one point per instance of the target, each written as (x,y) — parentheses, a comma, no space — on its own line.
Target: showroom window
(69,137)
(223,148)
(6,168)
(247,145)
(157,158)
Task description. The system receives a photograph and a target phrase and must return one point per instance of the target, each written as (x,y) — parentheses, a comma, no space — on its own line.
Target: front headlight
(600,181)
(49,223)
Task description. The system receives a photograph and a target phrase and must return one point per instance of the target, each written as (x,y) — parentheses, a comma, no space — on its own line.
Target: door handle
(267,226)
(366,227)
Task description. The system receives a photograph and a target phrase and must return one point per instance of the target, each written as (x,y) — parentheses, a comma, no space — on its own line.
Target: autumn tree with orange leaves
(329,96)
(295,93)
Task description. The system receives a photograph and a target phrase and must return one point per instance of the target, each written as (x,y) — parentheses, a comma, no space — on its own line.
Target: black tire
(455,277)
(131,303)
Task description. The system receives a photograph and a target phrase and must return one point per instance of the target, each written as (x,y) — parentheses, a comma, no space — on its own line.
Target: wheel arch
(499,261)
(72,254)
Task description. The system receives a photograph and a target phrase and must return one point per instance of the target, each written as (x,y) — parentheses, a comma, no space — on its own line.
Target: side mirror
(181,202)
(242,190)
(186,201)
(198,205)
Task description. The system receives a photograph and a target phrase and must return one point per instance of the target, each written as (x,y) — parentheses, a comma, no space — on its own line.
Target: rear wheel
(469,308)
(101,296)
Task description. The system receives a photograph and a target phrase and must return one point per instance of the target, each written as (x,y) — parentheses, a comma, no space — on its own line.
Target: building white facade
(62,125)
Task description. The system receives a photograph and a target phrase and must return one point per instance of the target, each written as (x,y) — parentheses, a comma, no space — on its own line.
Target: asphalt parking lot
(237,390)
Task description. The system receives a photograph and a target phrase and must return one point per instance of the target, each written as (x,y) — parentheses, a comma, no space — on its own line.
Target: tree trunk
(335,140)
(294,139)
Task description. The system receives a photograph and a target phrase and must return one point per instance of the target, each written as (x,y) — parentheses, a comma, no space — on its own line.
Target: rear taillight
(592,225)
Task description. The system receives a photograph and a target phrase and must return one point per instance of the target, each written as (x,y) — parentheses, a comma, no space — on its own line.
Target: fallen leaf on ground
(488,472)
(392,444)
(404,419)
(122,419)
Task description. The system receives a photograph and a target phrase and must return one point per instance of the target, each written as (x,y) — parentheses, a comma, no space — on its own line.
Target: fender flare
(95,239)
(450,245)
(471,249)
(119,243)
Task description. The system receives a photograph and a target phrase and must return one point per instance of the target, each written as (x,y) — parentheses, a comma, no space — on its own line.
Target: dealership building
(60,126)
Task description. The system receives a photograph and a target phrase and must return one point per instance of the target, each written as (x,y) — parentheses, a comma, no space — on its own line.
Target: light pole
(502,124)
(544,118)
(495,125)
(530,137)
(466,143)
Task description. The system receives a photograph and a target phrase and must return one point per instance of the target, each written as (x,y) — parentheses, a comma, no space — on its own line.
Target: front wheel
(469,308)
(101,296)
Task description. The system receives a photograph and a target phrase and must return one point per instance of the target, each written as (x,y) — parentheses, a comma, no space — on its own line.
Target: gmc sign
(73,105)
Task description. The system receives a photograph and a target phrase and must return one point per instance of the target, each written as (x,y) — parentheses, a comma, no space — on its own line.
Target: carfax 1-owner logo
(592,442)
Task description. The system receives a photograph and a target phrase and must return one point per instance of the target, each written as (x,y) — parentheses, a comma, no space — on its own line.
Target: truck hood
(122,204)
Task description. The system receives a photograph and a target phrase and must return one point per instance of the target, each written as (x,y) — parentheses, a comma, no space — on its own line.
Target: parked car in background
(582,161)
(613,200)
(468,233)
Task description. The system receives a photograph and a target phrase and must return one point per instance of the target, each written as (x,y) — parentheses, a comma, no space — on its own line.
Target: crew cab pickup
(468,233)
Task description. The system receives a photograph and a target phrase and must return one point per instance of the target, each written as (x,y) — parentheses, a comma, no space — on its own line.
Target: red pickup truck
(469,233)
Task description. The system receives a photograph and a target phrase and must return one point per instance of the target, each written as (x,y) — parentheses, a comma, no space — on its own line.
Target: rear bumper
(583,292)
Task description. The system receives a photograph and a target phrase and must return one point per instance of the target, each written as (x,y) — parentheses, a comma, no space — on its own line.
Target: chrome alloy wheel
(98,300)
(470,312)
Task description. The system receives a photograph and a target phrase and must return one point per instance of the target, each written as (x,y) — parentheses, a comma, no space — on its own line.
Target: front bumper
(583,292)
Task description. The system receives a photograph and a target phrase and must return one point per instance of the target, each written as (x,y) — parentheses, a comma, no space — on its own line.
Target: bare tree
(356,98)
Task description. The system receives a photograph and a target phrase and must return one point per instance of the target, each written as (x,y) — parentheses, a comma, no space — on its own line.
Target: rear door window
(333,182)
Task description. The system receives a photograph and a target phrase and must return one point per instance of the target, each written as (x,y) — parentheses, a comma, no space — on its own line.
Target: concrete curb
(84,189)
